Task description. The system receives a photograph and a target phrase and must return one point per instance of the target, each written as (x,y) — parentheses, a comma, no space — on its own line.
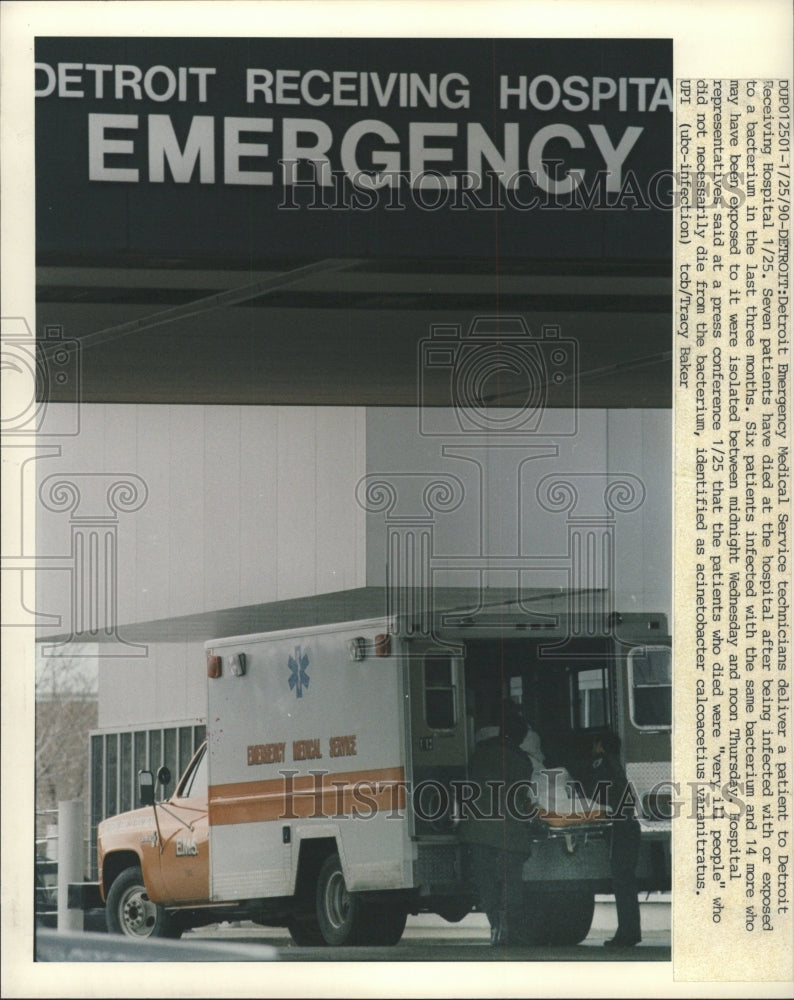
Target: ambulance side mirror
(146,788)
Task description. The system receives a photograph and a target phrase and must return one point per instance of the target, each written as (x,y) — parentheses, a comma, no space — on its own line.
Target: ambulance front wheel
(129,910)
(339,912)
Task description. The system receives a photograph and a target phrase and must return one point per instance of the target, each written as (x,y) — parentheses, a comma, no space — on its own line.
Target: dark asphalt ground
(431,939)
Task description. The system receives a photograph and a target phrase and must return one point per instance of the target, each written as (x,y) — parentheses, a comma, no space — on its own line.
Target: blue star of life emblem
(298,675)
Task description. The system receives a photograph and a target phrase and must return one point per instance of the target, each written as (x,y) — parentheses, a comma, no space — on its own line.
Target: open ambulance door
(438,737)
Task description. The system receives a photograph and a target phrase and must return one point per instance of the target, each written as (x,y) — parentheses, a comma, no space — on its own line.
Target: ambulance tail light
(357,648)
(213,665)
(360,649)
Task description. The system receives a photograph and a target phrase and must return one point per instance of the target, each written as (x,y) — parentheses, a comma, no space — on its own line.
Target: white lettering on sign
(545,93)
(347,88)
(317,87)
(123,82)
(164,147)
(186,848)
(100,146)
(301,141)
(429,155)
(235,149)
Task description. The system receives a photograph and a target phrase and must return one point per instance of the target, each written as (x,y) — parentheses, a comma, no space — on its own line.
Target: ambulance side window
(651,687)
(439,692)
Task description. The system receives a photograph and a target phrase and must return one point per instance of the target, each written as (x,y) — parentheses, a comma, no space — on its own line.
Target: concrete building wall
(239,505)
(507,509)
(169,682)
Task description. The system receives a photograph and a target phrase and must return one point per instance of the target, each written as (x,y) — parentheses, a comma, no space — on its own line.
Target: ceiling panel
(343,332)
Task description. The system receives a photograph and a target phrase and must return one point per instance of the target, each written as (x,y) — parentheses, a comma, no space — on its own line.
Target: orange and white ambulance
(330,792)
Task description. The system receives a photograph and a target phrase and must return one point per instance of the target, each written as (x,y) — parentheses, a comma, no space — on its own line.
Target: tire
(534,925)
(129,910)
(572,914)
(556,918)
(339,912)
(382,924)
(454,909)
(306,932)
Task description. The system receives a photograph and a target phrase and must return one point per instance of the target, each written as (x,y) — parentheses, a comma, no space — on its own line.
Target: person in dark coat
(496,834)
(616,795)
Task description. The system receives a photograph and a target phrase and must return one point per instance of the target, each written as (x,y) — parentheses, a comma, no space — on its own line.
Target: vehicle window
(517,690)
(590,698)
(195,782)
(439,693)
(170,761)
(651,687)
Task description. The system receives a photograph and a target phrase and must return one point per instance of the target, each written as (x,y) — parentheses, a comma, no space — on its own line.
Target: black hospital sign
(354,147)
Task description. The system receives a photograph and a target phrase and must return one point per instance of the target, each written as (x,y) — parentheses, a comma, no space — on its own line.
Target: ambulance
(330,794)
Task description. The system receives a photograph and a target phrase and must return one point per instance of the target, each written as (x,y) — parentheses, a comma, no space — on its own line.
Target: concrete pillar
(70,861)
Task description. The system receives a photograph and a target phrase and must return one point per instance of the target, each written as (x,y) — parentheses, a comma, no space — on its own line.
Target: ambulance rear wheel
(556,918)
(382,924)
(455,908)
(572,914)
(306,933)
(129,910)
(531,925)
(339,912)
